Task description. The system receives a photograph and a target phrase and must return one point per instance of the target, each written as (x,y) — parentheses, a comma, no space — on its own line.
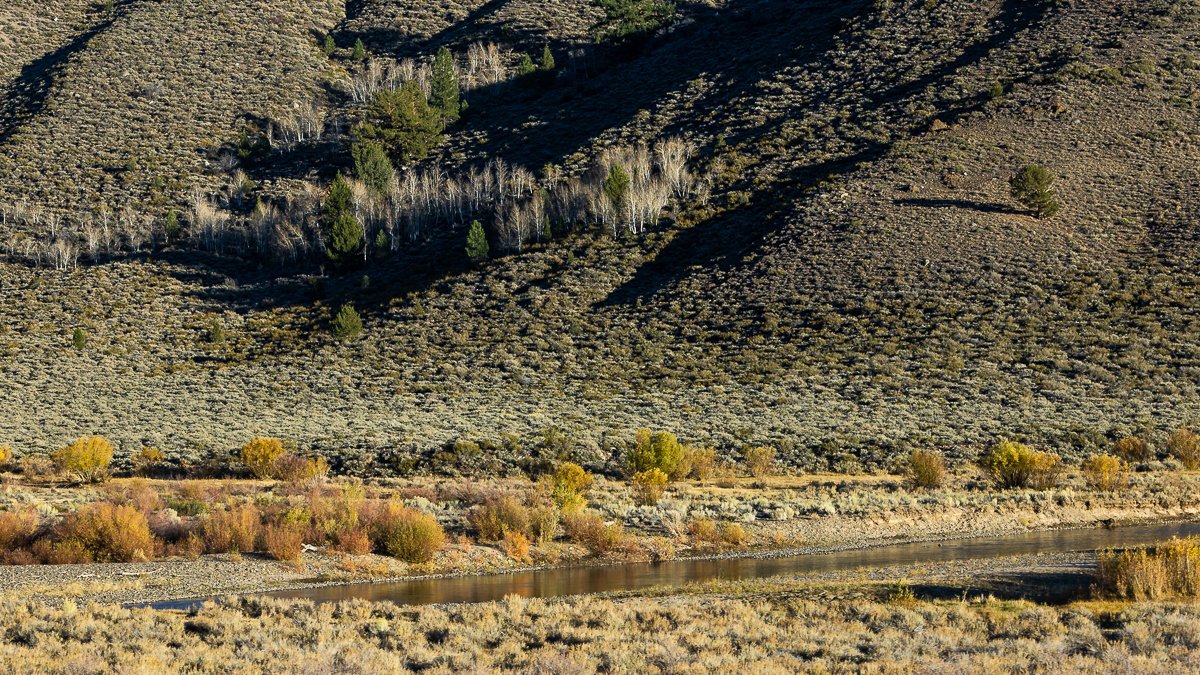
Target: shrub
(292,468)
(616,186)
(703,531)
(1171,569)
(1032,186)
(648,486)
(409,535)
(17,529)
(232,530)
(6,455)
(1184,445)
(543,524)
(567,486)
(347,324)
(108,533)
(732,534)
(355,541)
(547,61)
(36,466)
(926,469)
(656,450)
(1132,449)
(147,460)
(498,517)
(516,546)
(79,339)
(1105,472)
(1015,465)
(760,460)
(86,459)
(590,531)
(261,454)
(703,462)
(284,542)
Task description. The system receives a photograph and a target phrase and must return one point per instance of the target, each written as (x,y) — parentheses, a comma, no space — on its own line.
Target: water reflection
(598,579)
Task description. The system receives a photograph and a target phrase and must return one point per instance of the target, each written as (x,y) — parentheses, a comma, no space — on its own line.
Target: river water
(633,576)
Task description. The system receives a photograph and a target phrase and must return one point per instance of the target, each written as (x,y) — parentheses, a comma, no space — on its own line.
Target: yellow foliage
(926,469)
(1016,465)
(1184,445)
(760,460)
(86,459)
(1151,573)
(260,455)
(567,487)
(1105,472)
(649,486)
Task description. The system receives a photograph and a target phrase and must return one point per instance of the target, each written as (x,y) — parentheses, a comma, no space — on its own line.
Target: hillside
(847,278)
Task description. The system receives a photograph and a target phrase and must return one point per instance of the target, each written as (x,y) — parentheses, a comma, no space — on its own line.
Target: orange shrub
(232,530)
(497,517)
(407,534)
(354,542)
(590,531)
(516,546)
(1132,449)
(109,533)
(283,542)
(17,529)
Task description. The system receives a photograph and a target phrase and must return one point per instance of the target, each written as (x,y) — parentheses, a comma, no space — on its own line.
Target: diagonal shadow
(27,95)
(721,243)
(965,204)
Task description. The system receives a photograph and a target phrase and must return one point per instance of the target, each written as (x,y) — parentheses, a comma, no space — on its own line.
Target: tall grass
(1168,570)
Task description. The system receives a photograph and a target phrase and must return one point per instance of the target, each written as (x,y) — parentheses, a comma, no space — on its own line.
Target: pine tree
(345,239)
(78,339)
(360,50)
(337,202)
(616,186)
(372,166)
(403,123)
(329,46)
(444,94)
(347,323)
(477,243)
(547,62)
(525,66)
(1033,186)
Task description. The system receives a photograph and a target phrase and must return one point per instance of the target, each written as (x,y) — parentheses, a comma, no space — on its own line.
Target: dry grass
(1169,570)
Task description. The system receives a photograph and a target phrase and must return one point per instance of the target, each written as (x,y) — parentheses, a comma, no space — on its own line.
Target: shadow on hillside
(964,204)
(721,243)
(1045,587)
(26,97)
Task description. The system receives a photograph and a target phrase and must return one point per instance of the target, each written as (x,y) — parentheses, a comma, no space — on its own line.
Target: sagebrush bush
(1167,570)
(409,535)
(86,459)
(1184,445)
(590,531)
(926,469)
(649,486)
(232,530)
(1016,465)
(760,460)
(703,462)
(1132,449)
(108,532)
(1105,472)
(499,516)
(656,450)
(260,455)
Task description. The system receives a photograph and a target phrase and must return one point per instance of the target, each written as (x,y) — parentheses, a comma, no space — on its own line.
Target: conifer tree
(360,50)
(477,243)
(444,93)
(372,166)
(344,235)
(1033,186)
(547,62)
(403,122)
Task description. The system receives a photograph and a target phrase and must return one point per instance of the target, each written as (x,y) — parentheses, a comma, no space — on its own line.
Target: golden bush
(1132,449)
(926,469)
(295,469)
(760,460)
(260,455)
(543,524)
(649,486)
(410,535)
(703,462)
(109,533)
(284,542)
(232,530)
(567,487)
(1184,445)
(590,531)
(1171,569)
(1105,472)
(17,529)
(656,450)
(86,459)
(497,517)
(1016,465)
(516,546)
(6,455)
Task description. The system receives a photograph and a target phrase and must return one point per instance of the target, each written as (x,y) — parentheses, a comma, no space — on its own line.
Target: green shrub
(79,339)
(1015,465)
(108,533)
(1033,186)
(656,450)
(926,469)
(544,524)
(260,455)
(347,324)
(86,459)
